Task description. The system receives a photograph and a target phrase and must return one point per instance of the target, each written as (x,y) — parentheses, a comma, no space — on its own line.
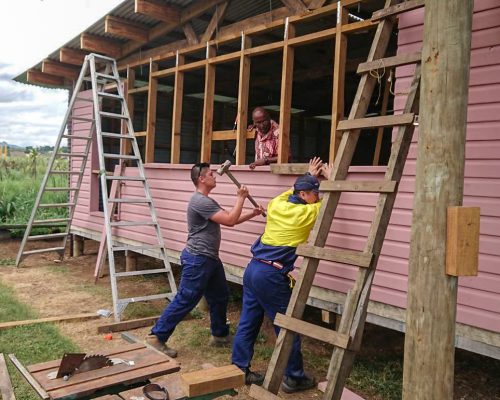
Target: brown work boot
(153,341)
(220,341)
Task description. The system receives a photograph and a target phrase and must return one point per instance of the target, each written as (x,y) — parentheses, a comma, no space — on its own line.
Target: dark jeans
(201,276)
(265,290)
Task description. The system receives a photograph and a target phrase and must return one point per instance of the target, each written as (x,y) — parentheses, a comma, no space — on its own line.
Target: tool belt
(279,266)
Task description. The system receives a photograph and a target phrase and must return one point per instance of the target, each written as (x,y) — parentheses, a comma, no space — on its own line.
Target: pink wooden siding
(479,297)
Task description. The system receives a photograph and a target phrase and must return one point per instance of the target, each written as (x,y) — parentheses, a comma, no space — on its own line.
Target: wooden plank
(6,391)
(218,16)
(13,324)
(140,133)
(289,169)
(375,122)
(462,241)
(142,89)
(72,56)
(56,68)
(243,92)
(230,135)
(286,95)
(190,34)
(175,152)
(432,295)
(390,62)
(127,325)
(208,109)
(357,258)
(316,4)
(158,10)
(339,69)
(125,29)
(313,331)
(101,45)
(39,78)
(151,115)
(258,392)
(358,186)
(205,381)
(397,9)
(297,6)
(34,384)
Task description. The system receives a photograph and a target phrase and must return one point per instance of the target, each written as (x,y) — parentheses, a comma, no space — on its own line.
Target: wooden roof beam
(158,10)
(191,36)
(72,56)
(98,44)
(125,29)
(295,5)
(59,69)
(219,13)
(36,77)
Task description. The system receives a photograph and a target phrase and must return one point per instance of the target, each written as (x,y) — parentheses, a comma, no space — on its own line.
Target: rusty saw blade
(69,363)
(92,362)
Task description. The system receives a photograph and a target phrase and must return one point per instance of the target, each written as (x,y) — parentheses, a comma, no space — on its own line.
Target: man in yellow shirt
(266,282)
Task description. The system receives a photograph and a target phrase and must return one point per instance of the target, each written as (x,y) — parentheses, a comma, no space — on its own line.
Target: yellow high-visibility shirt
(289,224)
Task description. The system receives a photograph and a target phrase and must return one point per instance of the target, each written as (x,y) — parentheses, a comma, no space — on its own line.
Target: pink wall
(479,297)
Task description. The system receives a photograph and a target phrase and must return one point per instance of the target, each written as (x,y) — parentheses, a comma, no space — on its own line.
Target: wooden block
(212,380)
(127,325)
(462,241)
(6,391)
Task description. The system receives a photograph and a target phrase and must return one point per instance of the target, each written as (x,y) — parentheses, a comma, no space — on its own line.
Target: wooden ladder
(347,339)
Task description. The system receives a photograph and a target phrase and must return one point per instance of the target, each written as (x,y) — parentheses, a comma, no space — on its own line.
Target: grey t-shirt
(203,234)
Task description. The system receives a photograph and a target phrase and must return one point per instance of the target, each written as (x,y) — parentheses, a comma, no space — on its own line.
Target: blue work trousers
(201,276)
(265,290)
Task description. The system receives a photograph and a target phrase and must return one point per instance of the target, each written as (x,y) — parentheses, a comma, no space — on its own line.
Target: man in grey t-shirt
(202,270)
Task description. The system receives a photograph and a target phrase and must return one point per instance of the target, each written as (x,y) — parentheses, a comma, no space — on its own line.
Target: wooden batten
(72,56)
(59,69)
(296,6)
(151,115)
(158,10)
(243,87)
(125,145)
(100,45)
(175,155)
(125,29)
(462,241)
(190,34)
(218,16)
(208,108)
(39,78)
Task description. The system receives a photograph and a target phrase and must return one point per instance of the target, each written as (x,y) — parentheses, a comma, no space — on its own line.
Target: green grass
(30,344)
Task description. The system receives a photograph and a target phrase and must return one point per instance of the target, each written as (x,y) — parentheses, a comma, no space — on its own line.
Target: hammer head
(224,167)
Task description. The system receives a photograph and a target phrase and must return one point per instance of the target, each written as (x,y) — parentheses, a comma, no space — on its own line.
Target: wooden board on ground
(126,325)
(212,380)
(147,364)
(6,391)
(12,324)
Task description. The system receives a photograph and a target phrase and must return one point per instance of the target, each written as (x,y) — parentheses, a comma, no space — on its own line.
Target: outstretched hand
(315,166)
(326,170)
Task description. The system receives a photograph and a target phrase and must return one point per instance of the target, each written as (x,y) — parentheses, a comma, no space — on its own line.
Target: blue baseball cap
(306,183)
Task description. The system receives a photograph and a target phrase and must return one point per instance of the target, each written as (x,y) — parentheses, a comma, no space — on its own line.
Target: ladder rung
(59,189)
(397,9)
(120,156)
(70,155)
(144,272)
(358,186)
(144,298)
(390,62)
(132,223)
(82,119)
(312,331)
(357,258)
(376,122)
(138,200)
(125,178)
(112,115)
(50,221)
(110,95)
(138,248)
(55,205)
(47,236)
(101,57)
(59,172)
(58,249)
(116,135)
(77,137)
(108,77)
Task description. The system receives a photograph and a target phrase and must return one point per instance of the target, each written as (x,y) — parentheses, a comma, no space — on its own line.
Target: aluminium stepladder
(102,71)
(347,339)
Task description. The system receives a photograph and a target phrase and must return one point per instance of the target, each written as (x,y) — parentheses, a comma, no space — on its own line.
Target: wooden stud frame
(177,112)
(151,116)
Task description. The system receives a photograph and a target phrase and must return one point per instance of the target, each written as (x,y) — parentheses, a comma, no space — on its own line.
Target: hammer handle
(230,175)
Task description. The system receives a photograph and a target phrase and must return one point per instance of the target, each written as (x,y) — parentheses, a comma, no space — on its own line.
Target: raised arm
(231,218)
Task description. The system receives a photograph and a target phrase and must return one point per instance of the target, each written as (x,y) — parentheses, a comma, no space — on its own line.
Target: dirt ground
(64,288)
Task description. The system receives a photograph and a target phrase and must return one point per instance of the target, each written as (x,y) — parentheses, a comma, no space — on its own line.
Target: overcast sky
(29,31)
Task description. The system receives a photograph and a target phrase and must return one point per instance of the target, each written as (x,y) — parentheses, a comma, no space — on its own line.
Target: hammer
(224,169)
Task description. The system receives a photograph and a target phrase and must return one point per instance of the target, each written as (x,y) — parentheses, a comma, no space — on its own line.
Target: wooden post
(151,116)
(339,64)
(242,118)
(130,261)
(286,94)
(208,108)
(432,295)
(78,246)
(125,144)
(175,157)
